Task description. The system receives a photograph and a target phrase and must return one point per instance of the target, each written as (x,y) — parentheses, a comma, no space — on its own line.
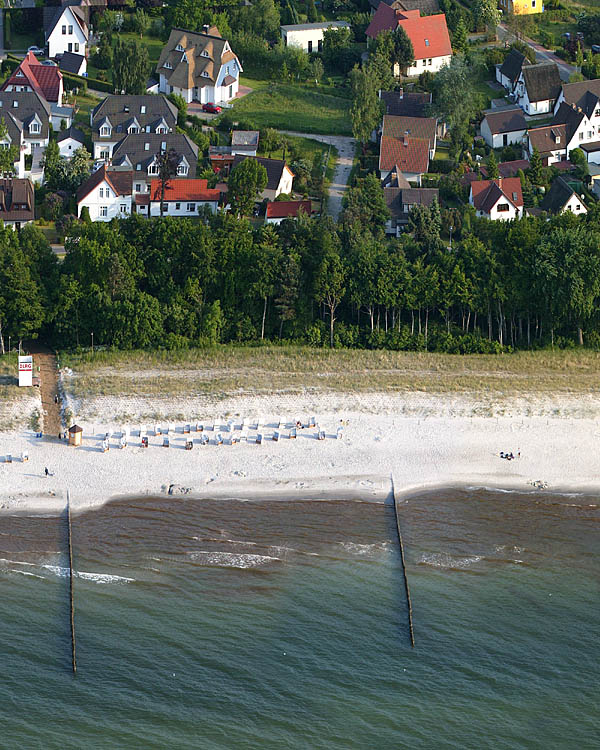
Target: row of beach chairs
(24,457)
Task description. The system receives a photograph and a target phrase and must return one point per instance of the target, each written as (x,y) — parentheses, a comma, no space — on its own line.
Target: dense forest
(180,282)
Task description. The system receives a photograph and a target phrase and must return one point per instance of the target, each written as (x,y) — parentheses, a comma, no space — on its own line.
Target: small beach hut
(75,435)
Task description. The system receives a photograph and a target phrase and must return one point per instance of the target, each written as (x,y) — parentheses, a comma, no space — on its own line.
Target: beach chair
(245,423)
(219,439)
(280,424)
(230,425)
(144,442)
(189,445)
(8,458)
(312,422)
(156,430)
(320,434)
(259,438)
(186,429)
(293,433)
(340,432)
(276,436)
(122,441)
(260,423)
(234,439)
(24,457)
(216,426)
(244,434)
(38,434)
(204,440)
(166,442)
(105,445)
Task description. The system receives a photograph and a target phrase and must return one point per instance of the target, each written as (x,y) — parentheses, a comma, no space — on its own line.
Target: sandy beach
(421,440)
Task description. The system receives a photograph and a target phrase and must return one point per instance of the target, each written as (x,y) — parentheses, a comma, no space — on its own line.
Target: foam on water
(61,572)
(231,559)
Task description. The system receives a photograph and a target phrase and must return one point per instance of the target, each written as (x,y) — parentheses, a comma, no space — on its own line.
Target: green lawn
(286,106)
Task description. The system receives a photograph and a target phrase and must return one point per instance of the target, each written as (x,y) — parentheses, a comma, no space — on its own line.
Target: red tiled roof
(428,34)
(185,190)
(43,79)
(410,158)
(423,128)
(486,193)
(120,181)
(142,199)
(285,209)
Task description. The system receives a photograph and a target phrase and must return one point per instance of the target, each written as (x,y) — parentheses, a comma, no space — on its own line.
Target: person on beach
(56,399)
(46,471)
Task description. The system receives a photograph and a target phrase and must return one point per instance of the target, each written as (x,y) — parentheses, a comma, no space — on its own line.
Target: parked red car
(212,108)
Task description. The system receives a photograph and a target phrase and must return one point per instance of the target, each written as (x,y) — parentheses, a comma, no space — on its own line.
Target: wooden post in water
(72,607)
(407,589)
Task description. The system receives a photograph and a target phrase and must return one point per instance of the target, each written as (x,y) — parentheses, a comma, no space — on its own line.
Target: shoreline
(422,452)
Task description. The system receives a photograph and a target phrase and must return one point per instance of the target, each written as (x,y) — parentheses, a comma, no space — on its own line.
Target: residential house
(32,115)
(69,141)
(107,194)
(521,7)
(497,200)
(395,179)
(309,36)
(199,66)
(550,141)
(425,7)
(406,103)
(139,152)
(504,127)
(595,179)
(74,63)
(400,202)
(181,198)
(17,203)
(408,144)
(538,88)
(510,71)
(14,136)
(508,168)
(31,75)
(117,116)
(280,177)
(428,34)
(67,31)
(579,105)
(277,211)
(245,142)
(562,198)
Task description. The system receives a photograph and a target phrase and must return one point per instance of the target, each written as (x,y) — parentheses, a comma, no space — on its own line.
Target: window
(168,66)
(231,91)
(427,42)
(123,208)
(143,109)
(102,192)
(105,130)
(108,192)
(578,207)
(76,46)
(179,48)
(533,3)
(34,127)
(580,136)
(104,154)
(430,61)
(309,48)
(70,47)
(502,207)
(165,208)
(103,210)
(20,73)
(146,147)
(589,134)
(205,74)
(182,169)
(64,29)
(132,129)
(320,45)
(138,187)
(70,29)
(191,208)
(138,166)
(153,169)
(178,206)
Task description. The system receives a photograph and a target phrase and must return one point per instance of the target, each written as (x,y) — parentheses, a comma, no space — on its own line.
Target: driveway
(542,54)
(339,184)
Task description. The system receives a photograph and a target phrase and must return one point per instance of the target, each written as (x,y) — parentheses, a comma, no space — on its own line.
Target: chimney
(500,182)
(406,137)
(205,28)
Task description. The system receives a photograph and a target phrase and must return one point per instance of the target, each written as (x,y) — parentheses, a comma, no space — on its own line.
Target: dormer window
(168,65)
(20,73)
(204,53)
(161,129)
(205,74)
(179,48)
(557,138)
(182,170)
(153,169)
(105,130)
(34,127)
(132,129)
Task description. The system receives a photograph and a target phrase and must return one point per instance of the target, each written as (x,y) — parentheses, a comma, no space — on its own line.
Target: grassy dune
(228,370)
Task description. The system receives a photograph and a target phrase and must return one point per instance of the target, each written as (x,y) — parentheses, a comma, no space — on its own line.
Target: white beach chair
(293,433)
(204,440)
(156,430)
(172,428)
(234,439)
(260,423)
(122,441)
(312,422)
(166,441)
(216,425)
(280,423)
(245,423)
(244,434)
(259,438)
(199,427)
(105,445)
(219,439)
(320,434)
(186,429)
(24,457)
(276,436)
(230,425)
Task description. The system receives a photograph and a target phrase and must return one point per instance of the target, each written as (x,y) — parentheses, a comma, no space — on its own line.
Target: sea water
(229,624)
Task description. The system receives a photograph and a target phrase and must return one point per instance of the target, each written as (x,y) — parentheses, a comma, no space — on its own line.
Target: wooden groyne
(406,587)
(71,604)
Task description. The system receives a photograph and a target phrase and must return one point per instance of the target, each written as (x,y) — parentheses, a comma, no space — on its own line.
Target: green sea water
(229,624)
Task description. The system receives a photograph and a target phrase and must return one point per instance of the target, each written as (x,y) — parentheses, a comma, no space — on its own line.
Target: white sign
(26,370)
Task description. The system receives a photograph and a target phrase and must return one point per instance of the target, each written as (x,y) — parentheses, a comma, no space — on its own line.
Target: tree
(141,22)
(535,167)
(270,140)
(365,111)
(486,13)
(460,38)
(330,284)
(246,182)
(8,156)
(181,105)
(404,53)
(131,66)
(492,166)
(311,12)
(381,70)
(366,207)
(455,100)
(316,70)
(167,162)
(579,57)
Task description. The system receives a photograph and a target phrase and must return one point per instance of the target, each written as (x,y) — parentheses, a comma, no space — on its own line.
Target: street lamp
(92,342)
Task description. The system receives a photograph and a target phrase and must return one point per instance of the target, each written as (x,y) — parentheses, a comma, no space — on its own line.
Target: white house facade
(106,195)
(497,200)
(68,33)
(503,128)
(309,36)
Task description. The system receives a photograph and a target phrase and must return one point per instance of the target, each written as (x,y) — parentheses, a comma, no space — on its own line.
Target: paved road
(339,184)
(542,54)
